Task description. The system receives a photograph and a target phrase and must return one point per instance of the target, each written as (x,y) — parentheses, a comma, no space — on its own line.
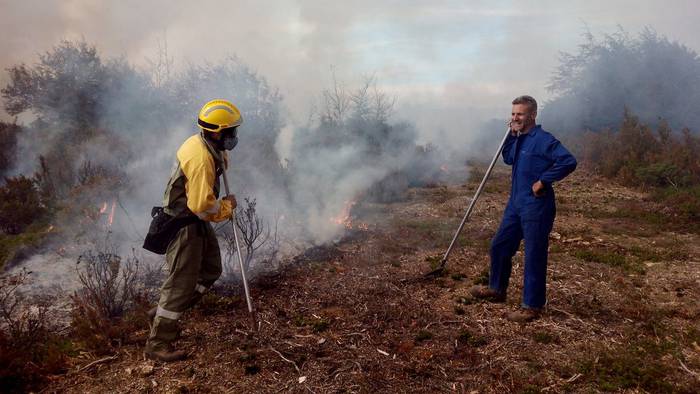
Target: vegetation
(634,366)
(30,348)
(20,204)
(8,141)
(663,162)
(341,318)
(637,156)
(109,306)
(106,311)
(652,76)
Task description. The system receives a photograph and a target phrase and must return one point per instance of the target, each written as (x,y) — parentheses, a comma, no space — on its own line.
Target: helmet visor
(229,132)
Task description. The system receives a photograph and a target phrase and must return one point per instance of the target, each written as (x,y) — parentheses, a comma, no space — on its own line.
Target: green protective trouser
(194,261)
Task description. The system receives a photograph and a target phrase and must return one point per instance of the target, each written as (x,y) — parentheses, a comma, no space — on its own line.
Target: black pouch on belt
(163,229)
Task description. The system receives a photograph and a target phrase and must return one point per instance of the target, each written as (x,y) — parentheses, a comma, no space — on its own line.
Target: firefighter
(193,256)
(538,160)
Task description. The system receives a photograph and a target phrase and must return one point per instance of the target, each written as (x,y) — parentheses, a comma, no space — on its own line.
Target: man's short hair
(529,100)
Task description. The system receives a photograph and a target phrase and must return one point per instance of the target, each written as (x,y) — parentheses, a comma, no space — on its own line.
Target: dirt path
(622,313)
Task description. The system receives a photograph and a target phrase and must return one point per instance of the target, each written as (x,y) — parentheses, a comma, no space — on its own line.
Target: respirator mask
(229,138)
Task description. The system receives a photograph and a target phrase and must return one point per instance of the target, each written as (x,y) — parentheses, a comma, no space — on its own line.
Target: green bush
(20,204)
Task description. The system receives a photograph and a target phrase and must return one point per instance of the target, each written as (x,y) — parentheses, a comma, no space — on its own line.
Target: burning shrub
(20,204)
(107,307)
(29,348)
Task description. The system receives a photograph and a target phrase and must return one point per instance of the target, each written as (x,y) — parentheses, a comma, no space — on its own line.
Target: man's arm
(564,163)
(508,149)
(201,176)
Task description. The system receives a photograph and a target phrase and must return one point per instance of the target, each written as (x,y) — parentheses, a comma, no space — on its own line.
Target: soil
(358,315)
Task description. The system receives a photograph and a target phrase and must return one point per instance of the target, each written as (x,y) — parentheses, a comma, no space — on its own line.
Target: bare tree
(369,103)
(161,66)
(336,103)
(383,105)
(361,101)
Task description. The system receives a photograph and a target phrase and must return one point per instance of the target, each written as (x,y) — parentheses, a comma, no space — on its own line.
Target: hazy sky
(449,63)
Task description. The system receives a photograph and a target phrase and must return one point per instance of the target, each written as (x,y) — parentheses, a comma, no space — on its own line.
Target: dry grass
(358,317)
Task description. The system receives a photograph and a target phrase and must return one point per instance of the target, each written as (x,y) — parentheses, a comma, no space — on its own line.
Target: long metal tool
(240,261)
(441,268)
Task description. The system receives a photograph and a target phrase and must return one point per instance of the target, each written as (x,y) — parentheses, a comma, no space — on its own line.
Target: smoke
(451,63)
(648,75)
(107,133)
(452,67)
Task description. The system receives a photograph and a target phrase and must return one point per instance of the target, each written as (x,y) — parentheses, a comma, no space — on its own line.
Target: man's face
(521,119)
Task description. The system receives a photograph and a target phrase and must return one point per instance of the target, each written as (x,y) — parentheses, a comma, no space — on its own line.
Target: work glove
(232,198)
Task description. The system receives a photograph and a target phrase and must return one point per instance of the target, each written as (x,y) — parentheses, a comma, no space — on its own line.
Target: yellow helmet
(219,114)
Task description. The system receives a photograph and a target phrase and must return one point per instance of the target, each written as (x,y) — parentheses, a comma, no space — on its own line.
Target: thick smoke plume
(105,134)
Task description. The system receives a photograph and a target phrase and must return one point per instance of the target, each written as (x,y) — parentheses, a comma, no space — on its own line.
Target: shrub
(664,162)
(8,141)
(20,204)
(636,156)
(109,305)
(29,348)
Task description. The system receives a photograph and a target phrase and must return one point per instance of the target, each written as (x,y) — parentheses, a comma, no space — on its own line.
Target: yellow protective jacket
(194,184)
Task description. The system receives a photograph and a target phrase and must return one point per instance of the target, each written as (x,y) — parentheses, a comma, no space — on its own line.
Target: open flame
(103,211)
(110,219)
(345,219)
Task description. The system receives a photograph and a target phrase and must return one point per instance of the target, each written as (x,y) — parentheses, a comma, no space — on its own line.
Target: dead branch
(286,359)
(100,361)
(694,374)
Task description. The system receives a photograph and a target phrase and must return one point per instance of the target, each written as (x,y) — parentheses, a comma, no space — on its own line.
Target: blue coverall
(536,155)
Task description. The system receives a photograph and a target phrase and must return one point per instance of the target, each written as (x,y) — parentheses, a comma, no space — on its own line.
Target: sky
(450,64)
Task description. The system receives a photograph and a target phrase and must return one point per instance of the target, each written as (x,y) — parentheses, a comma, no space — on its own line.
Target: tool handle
(476,196)
(238,249)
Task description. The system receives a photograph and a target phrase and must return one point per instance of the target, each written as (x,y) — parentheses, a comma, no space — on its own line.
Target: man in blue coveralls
(538,160)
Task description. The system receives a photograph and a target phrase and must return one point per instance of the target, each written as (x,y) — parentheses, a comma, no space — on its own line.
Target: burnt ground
(622,314)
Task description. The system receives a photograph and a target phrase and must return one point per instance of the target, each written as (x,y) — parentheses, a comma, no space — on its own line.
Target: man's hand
(231,198)
(538,189)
